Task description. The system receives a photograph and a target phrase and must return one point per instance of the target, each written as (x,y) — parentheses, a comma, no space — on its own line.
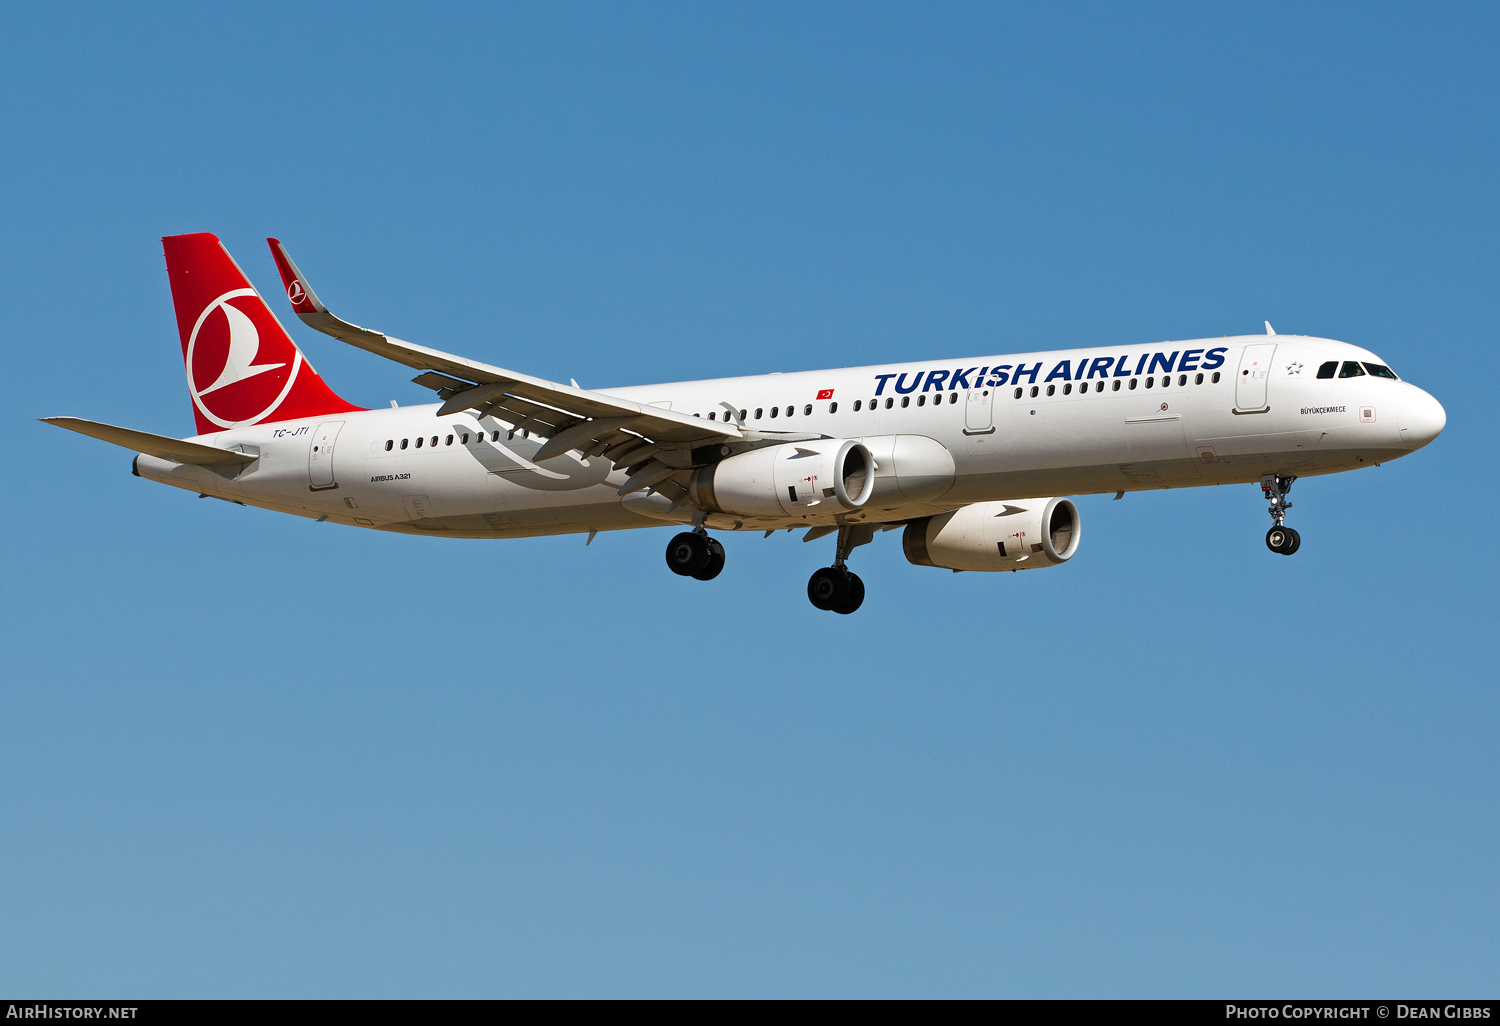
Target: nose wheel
(1279,538)
(1284,540)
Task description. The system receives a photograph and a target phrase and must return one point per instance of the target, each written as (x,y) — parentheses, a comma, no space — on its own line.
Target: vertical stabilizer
(242,366)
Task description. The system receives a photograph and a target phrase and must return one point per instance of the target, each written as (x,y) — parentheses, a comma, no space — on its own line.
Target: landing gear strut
(1280,538)
(835,587)
(694,554)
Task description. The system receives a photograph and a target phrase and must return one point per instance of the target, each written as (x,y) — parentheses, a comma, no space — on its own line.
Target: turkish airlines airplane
(966,456)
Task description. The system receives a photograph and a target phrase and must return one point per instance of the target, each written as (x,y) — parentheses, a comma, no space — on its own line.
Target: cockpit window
(1351,369)
(1328,369)
(1380,370)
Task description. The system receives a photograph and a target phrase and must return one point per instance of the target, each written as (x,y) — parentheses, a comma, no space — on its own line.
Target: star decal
(1294,368)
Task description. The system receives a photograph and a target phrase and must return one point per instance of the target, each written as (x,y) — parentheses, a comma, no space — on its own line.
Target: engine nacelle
(1019,535)
(826,475)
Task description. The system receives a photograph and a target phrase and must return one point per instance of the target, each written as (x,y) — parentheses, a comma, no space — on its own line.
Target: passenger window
(434,439)
(1329,369)
(757,413)
(856,405)
(464,438)
(710,414)
(1150,382)
(1034,391)
(389,443)
(791,410)
(450,440)
(1380,370)
(742,414)
(921,400)
(775,412)
(1216,377)
(495,437)
(807,411)
(833,407)
(1067,390)
(890,402)
(1116,385)
(419,443)
(403,443)
(1351,369)
(1198,380)
(1051,389)
(1132,384)
(1099,387)
(1018,393)
(905,401)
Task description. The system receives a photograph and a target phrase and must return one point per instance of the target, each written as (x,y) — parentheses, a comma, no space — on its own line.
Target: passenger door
(1250,383)
(320,455)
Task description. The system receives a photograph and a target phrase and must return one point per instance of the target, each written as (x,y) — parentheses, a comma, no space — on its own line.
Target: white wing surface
(645,439)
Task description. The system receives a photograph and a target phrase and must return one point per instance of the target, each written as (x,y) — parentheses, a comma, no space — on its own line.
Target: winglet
(304,299)
(310,308)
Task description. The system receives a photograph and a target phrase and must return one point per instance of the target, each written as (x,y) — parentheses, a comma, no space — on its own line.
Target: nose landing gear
(1280,538)
(836,588)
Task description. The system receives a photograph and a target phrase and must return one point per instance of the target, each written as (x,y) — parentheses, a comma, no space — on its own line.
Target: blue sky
(243,754)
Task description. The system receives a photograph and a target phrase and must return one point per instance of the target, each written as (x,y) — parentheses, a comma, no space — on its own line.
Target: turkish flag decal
(826,393)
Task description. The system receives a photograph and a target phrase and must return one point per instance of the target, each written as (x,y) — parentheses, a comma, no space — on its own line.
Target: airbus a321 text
(969,457)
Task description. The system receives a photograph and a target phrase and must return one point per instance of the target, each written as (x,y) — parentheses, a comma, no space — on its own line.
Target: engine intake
(1019,535)
(792,479)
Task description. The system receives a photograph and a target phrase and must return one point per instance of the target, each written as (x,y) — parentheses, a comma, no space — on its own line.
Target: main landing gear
(1280,538)
(694,554)
(836,588)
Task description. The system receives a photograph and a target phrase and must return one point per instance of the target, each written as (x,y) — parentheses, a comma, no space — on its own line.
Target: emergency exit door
(979,411)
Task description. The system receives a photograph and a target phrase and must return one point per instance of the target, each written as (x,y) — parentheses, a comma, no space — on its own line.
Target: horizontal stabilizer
(160,446)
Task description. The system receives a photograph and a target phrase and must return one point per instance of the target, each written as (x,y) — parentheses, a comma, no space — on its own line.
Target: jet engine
(1018,535)
(827,475)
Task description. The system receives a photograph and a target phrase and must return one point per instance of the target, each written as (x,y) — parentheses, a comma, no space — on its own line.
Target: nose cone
(1422,419)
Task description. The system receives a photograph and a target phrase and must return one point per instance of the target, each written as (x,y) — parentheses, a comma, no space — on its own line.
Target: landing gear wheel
(688,554)
(1284,540)
(1279,538)
(715,561)
(854,598)
(829,587)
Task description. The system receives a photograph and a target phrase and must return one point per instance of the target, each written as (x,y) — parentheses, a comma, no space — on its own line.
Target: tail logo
(245,384)
(295,292)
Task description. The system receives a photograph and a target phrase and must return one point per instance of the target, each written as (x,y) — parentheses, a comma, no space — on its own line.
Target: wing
(653,445)
(160,446)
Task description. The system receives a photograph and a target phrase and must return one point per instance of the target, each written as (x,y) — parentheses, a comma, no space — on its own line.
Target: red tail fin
(242,366)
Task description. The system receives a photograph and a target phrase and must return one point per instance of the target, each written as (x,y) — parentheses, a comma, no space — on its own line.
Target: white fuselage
(944,433)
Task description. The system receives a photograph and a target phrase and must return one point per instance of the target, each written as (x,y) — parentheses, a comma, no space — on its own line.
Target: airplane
(971,458)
